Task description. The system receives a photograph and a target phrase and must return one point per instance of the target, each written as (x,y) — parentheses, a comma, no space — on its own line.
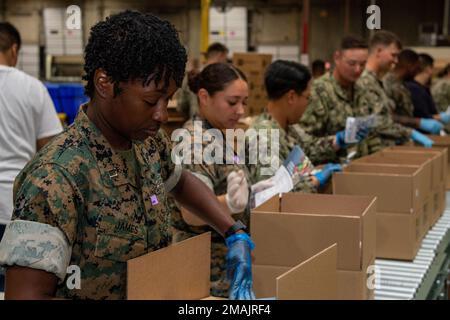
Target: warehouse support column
(304,57)
(204,40)
(347,17)
(445,22)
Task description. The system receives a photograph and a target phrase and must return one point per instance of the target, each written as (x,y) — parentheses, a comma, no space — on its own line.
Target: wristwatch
(238,225)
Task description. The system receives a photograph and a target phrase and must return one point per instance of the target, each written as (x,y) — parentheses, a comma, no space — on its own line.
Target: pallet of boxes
(254,65)
(409,183)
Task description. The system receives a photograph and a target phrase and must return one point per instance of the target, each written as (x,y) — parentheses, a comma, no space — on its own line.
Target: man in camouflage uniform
(394,84)
(441,94)
(96,195)
(332,101)
(371,97)
(441,90)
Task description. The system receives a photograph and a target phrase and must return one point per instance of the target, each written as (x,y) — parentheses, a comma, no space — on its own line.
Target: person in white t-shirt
(28,119)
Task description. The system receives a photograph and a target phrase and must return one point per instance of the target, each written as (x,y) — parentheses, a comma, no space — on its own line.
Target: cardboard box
(428,214)
(181,271)
(313,279)
(438,165)
(401,211)
(399,189)
(254,65)
(303,224)
(398,235)
(292,228)
(354,285)
(439,202)
(252,61)
(443,142)
(404,160)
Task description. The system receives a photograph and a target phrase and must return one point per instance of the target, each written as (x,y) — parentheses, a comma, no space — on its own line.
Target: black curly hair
(132,45)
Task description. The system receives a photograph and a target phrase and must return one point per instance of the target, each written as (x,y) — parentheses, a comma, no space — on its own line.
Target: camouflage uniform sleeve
(316,114)
(45,218)
(402,107)
(441,95)
(318,149)
(170,171)
(371,101)
(267,152)
(406,121)
(305,185)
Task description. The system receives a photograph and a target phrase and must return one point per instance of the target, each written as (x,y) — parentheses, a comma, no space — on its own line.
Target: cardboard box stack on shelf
(254,65)
(408,184)
(292,228)
(182,272)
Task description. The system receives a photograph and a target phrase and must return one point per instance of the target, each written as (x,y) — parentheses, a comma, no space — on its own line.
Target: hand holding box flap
(178,272)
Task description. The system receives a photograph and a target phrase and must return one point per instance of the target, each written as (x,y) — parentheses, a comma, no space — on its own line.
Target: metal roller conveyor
(423,278)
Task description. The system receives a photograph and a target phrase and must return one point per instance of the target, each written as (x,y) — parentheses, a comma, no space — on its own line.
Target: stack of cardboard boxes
(290,229)
(254,65)
(409,185)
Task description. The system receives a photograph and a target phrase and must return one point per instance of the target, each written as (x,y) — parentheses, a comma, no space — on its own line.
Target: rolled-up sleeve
(45,218)
(35,245)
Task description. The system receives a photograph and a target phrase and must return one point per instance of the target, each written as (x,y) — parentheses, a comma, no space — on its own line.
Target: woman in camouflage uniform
(96,195)
(222,93)
(288,88)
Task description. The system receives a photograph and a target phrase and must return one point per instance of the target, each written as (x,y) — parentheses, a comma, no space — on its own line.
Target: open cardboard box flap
(402,159)
(313,279)
(436,158)
(180,271)
(400,189)
(296,226)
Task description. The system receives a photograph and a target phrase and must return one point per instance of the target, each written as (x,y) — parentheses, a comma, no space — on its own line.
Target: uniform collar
(112,168)
(205,124)
(374,77)
(266,116)
(340,92)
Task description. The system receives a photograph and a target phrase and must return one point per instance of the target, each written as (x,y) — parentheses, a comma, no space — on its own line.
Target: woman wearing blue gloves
(222,93)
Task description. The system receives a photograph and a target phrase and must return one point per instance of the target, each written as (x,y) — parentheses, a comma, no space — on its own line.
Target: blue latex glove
(422,139)
(340,139)
(324,175)
(430,125)
(445,117)
(361,134)
(239,266)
